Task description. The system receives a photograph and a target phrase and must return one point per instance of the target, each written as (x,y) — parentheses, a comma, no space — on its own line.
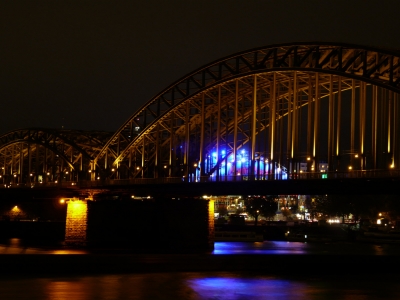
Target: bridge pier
(156,225)
(76,222)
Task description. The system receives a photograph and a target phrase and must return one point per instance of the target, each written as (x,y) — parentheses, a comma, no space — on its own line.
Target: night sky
(90,64)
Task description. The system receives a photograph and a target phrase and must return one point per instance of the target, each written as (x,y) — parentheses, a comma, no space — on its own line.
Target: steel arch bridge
(268,113)
(38,155)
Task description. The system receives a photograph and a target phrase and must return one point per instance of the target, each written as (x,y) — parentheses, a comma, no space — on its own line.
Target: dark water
(197,286)
(18,246)
(284,247)
(341,283)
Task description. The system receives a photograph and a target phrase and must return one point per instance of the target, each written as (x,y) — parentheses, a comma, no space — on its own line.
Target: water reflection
(201,285)
(266,247)
(235,287)
(284,247)
(19,246)
(229,287)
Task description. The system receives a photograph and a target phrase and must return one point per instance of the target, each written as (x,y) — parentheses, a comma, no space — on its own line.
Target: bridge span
(270,113)
(176,188)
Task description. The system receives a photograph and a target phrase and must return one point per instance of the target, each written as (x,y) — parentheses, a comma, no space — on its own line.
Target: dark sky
(90,64)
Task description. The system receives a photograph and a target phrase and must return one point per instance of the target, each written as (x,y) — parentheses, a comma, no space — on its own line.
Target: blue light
(223,152)
(214,154)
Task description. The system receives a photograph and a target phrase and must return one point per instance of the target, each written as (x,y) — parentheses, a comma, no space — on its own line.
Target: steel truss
(44,155)
(261,114)
(283,104)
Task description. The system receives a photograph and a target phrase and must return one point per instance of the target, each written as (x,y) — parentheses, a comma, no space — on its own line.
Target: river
(321,284)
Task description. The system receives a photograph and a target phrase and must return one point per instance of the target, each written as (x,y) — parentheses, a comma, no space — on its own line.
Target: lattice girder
(375,66)
(32,152)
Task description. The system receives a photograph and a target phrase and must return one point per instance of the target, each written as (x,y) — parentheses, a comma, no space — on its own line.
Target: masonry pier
(151,226)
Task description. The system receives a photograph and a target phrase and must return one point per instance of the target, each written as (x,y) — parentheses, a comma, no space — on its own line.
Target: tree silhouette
(261,205)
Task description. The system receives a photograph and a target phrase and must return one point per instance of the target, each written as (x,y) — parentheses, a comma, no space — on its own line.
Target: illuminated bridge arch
(306,107)
(48,155)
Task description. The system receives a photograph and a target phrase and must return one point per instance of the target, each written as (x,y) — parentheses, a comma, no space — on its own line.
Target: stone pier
(145,226)
(76,222)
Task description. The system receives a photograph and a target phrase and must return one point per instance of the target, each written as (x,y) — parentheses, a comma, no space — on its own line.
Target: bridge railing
(171,180)
(308,175)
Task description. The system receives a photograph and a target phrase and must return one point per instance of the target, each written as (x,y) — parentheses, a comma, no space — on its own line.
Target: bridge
(286,112)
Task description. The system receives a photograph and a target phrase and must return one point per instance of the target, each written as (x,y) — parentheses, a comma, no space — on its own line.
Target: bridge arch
(268,102)
(36,155)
